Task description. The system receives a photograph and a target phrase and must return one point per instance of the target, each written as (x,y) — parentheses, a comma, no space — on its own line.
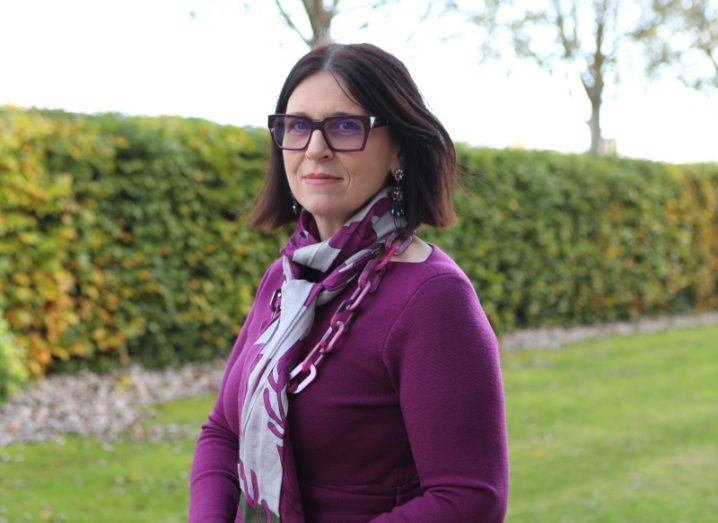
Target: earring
(397,194)
(295,207)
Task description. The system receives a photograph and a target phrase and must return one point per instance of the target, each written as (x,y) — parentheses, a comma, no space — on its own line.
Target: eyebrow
(338,113)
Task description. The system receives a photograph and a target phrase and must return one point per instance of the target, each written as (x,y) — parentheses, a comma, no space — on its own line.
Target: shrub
(126,237)
(552,238)
(12,368)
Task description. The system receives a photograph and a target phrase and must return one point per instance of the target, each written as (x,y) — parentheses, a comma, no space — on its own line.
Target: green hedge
(556,239)
(125,238)
(12,369)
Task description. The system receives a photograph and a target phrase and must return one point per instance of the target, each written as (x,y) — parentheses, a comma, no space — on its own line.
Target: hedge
(557,239)
(125,238)
(12,368)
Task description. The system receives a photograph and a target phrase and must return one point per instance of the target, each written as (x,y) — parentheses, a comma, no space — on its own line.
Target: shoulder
(435,310)
(432,274)
(417,252)
(421,293)
(270,282)
(273,273)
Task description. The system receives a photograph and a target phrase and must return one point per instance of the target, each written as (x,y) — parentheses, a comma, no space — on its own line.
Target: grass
(623,429)
(617,430)
(82,480)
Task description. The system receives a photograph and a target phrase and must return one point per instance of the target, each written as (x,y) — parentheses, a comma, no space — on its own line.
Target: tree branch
(561,25)
(288,21)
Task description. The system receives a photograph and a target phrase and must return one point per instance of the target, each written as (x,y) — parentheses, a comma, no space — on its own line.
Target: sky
(223,61)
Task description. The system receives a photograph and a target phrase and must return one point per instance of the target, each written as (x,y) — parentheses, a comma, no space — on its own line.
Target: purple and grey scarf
(270,492)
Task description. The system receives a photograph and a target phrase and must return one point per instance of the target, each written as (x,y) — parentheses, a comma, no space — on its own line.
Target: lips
(320,178)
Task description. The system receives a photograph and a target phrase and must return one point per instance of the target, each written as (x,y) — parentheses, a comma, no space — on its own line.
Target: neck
(327,227)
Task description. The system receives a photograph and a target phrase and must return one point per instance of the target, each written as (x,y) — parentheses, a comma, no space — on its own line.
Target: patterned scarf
(270,491)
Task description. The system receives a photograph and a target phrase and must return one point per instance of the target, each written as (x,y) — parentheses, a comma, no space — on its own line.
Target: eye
(297,125)
(347,126)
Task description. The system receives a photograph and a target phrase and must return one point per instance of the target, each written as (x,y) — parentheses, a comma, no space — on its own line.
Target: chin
(321,205)
(325,211)
(329,211)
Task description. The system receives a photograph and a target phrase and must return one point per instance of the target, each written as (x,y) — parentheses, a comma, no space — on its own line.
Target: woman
(365,382)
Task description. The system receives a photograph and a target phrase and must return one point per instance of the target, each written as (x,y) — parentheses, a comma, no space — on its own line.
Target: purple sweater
(405,421)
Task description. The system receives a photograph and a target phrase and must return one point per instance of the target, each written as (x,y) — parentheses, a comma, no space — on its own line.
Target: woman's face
(334,185)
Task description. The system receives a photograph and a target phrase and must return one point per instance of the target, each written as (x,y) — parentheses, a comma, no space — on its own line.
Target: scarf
(315,272)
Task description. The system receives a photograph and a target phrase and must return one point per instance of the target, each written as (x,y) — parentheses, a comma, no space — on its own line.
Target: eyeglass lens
(342,133)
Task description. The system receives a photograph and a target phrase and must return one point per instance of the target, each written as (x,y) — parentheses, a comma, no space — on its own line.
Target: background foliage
(12,359)
(125,237)
(557,239)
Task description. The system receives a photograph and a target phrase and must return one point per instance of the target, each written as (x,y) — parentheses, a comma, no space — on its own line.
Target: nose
(318,147)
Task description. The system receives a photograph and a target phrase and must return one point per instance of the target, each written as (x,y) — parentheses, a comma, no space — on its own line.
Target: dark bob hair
(381,84)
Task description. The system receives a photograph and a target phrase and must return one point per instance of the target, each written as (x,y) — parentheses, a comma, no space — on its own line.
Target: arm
(214,485)
(442,356)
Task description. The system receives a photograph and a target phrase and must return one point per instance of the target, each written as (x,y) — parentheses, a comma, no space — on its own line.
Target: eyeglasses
(342,133)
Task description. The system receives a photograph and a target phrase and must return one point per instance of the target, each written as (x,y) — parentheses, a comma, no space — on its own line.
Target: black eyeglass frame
(370,122)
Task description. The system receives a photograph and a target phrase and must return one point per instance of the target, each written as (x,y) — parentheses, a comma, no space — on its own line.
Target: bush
(126,237)
(12,368)
(552,238)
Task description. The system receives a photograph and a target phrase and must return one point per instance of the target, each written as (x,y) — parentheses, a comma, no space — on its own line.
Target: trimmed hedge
(557,239)
(125,237)
(12,368)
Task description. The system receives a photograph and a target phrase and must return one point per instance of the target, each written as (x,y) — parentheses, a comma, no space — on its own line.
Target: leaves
(108,219)
(682,36)
(126,238)
(549,238)
(12,369)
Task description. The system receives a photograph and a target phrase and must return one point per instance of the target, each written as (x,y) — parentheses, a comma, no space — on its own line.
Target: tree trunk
(593,82)
(320,18)
(595,125)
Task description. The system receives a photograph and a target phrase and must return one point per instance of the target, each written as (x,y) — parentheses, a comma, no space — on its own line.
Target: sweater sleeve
(443,359)
(214,483)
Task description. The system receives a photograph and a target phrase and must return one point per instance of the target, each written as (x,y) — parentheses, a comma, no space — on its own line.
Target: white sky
(227,64)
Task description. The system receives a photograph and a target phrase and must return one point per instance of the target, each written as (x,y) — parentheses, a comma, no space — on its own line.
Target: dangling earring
(397,194)
(295,207)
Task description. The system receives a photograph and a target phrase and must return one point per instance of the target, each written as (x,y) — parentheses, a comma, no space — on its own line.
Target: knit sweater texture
(405,421)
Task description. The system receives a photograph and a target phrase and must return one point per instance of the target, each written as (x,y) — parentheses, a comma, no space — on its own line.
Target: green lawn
(617,430)
(85,481)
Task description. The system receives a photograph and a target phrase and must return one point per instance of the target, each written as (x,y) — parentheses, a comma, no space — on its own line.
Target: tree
(584,36)
(320,14)
(683,36)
